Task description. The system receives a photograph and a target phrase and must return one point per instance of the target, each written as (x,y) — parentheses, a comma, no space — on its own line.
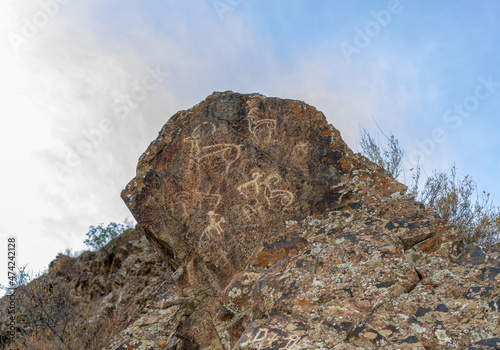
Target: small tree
(99,236)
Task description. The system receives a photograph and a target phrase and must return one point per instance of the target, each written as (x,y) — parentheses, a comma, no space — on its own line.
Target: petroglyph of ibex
(227,152)
(261,192)
(213,228)
(260,127)
(285,197)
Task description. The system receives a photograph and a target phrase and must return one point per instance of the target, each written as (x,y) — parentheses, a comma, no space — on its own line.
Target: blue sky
(76,117)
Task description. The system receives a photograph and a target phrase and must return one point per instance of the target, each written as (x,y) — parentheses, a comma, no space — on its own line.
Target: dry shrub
(469,210)
(92,336)
(51,317)
(456,200)
(390,158)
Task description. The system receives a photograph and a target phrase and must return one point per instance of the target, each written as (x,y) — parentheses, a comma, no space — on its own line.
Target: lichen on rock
(282,238)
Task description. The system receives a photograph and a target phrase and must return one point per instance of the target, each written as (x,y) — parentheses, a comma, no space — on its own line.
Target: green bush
(99,236)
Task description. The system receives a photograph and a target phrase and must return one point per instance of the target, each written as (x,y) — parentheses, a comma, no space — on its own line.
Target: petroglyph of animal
(261,128)
(262,192)
(213,228)
(227,152)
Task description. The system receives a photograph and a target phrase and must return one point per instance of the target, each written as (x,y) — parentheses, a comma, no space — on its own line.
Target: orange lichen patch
(441,225)
(325,131)
(266,259)
(273,253)
(346,166)
(304,302)
(297,108)
(294,251)
(305,305)
(432,244)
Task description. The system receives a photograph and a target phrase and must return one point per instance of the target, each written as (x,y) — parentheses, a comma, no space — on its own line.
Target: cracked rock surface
(282,238)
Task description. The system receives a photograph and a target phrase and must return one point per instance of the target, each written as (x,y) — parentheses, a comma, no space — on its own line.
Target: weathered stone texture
(282,238)
(123,281)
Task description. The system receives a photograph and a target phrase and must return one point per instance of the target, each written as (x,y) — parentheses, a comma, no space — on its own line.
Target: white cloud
(79,70)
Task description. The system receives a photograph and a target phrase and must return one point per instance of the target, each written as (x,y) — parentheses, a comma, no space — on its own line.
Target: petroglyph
(292,343)
(262,337)
(257,339)
(228,153)
(261,128)
(213,228)
(216,160)
(211,201)
(251,189)
(285,197)
(250,213)
(184,201)
(180,205)
(262,192)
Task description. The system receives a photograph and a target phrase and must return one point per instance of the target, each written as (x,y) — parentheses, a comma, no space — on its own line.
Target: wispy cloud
(81,103)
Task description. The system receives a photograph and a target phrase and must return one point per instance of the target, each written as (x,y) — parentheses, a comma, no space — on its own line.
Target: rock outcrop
(282,238)
(116,284)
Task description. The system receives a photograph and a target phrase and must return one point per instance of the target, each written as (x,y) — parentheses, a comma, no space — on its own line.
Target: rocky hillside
(272,234)
(92,296)
(282,238)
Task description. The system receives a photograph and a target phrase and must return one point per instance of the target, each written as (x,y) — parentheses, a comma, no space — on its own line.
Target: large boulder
(281,237)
